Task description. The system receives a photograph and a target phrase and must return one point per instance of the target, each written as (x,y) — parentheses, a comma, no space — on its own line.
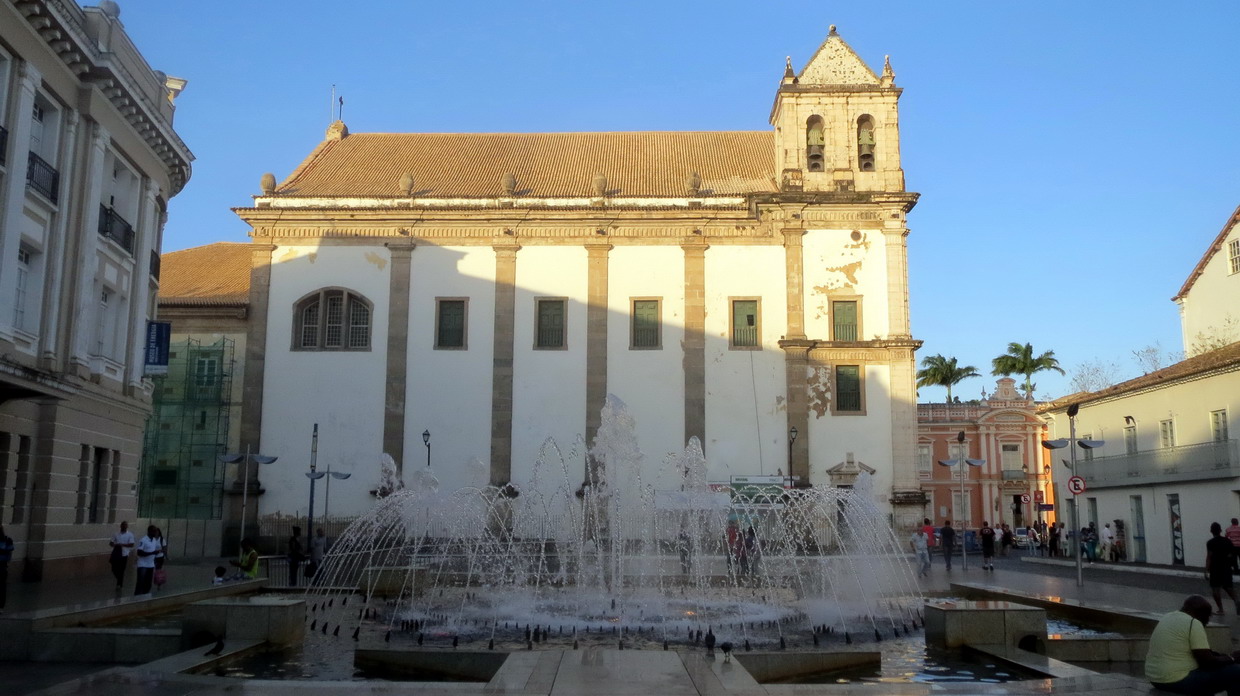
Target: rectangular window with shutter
(848,389)
(549,333)
(745,326)
(844,320)
(647,332)
(450,323)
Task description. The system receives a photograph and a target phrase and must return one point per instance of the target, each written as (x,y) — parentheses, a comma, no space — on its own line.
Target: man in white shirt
(1108,542)
(147,548)
(921,546)
(121,543)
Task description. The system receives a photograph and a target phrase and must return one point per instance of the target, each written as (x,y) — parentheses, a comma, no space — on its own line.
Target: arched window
(815,140)
(332,319)
(865,143)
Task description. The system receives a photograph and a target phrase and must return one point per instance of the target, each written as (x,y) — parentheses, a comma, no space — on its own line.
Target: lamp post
(964,464)
(313,476)
(327,495)
(792,437)
(245,478)
(1076,506)
(426,440)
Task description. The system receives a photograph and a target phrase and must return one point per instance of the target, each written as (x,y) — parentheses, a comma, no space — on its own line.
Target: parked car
(1020,538)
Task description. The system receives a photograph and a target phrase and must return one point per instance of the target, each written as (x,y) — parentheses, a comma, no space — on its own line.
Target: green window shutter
(451,329)
(847,388)
(646,324)
(550,324)
(744,323)
(845,320)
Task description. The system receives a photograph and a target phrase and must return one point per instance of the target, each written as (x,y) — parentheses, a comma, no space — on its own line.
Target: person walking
(6,555)
(318,548)
(1005,538)
(929,530)
(122,542)
(921,548)
(753,551)
(947,535)
(1053,542)
(146,548)
(1179,659)
(1233,535)
(1108,543)
(1219,553)
(296,554)
(988,546)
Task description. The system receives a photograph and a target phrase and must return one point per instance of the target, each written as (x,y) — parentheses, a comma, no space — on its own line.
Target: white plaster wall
(836,267)
(651,382)
(868,437)
(342,391)
(1188,405)
(1212,306)
(449,391)
(549,391)
(746,421)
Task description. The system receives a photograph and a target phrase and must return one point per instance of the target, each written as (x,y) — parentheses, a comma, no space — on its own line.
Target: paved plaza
(606,671)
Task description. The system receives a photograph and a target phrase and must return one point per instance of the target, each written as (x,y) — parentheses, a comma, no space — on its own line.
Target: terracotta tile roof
(1226,356)
(472,165)
(1214,247)
(215,274)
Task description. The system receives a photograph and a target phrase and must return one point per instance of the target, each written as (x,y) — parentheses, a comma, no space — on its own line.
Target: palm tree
(938,371)
(1019,360)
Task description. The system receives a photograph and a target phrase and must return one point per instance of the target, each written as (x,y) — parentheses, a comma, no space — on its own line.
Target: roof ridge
(633,132)
(1210,252)
(319,151)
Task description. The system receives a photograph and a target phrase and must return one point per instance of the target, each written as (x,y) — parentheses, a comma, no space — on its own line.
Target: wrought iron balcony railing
(1201,462)
(43,177)
(115,227)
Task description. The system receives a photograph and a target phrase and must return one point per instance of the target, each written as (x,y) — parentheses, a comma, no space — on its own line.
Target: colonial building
(1002,430)
(453,297)
(88,161)
(1171,464)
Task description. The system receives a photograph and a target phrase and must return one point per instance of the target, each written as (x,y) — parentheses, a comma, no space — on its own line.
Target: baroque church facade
(457,298)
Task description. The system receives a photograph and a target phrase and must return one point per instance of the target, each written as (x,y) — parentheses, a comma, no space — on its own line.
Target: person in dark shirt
(1218,567)
(988,546)
(947,535)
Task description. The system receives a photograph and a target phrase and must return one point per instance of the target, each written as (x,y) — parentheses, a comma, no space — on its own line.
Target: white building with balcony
(1171,463)
(88,162)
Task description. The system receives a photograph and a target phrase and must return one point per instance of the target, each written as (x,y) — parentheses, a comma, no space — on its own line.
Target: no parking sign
(1076,484)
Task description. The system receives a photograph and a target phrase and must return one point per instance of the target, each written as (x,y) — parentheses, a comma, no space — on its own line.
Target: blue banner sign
(158,336)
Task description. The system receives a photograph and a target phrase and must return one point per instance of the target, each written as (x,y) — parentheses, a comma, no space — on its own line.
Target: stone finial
(268,184)
(337,131)
(694,183)
(889,76)
(600,185)
(406,183)
(110,8)
(832,31)
(788,71)
(508,183)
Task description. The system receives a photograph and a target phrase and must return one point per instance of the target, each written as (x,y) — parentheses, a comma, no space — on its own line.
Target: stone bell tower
(837,124)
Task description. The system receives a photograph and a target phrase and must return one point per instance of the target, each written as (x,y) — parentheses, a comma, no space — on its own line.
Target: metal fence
(1201,462)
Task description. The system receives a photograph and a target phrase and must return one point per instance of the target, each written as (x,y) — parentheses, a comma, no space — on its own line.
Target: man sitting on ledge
(1180,659)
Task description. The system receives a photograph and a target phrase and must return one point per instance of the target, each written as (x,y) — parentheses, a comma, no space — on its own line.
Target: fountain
(557,561)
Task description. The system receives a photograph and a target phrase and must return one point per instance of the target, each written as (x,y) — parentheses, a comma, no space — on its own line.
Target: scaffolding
(182,476)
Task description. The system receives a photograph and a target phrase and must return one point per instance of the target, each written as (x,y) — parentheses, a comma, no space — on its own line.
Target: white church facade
(458,298)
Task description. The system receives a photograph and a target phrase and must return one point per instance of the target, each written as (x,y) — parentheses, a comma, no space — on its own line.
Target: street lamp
(792,437)
(327,495)
(964,475)
(245,480)
(426,440)
(1076,505)
(313,476)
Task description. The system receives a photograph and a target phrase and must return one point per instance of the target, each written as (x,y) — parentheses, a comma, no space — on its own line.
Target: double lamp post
(964,464)
(1071,463)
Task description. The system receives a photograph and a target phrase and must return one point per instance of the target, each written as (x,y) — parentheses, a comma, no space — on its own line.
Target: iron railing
(114,227)
(155,264)
(43,177)
(848,401)
(1200,462)
(4,145)
(845,331)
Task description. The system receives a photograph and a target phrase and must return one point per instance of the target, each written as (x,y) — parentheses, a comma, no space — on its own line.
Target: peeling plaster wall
(340,390)
(649,272)
(549,395)
(448,392)
(746,426)
(837,267)
(868,437)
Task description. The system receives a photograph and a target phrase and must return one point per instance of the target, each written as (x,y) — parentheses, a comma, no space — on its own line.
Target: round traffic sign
(1076,484)
(1024,497)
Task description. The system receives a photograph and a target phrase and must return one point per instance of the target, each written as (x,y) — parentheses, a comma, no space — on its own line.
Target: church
(454,299)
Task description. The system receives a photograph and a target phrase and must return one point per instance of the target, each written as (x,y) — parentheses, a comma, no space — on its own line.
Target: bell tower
(837,124)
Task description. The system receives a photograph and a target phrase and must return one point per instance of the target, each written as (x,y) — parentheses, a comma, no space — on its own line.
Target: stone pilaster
(695,338)
(58,239)
(502,355)
(796,370)
(596,337)
(397,353)
(794,271)
(85,256)
(140,284)
(256,349)
(14,192)
(897,282)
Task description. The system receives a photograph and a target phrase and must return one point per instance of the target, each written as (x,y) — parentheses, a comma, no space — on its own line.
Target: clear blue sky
(1074,158)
